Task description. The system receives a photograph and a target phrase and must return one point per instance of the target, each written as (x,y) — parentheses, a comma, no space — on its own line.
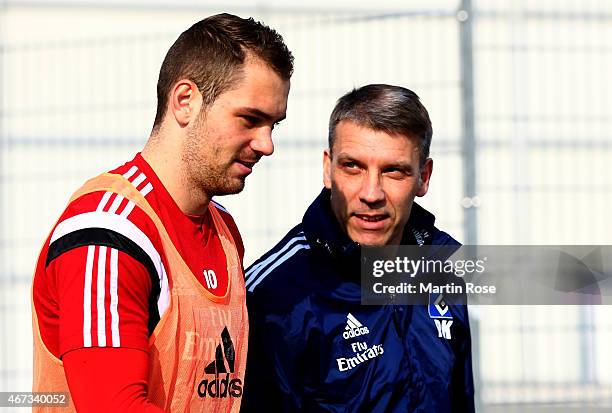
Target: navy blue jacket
(313,347)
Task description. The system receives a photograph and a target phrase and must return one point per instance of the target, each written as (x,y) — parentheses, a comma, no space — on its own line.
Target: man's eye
(395,173)
(349,166)
(250,120)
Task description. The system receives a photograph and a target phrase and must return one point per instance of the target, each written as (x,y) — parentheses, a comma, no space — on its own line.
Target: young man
(313,346)
(138,295)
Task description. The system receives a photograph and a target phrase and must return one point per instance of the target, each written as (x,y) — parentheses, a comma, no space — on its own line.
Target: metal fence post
(470,201)
(465,17)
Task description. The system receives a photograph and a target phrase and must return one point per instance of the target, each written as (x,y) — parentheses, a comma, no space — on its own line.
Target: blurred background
(519,93)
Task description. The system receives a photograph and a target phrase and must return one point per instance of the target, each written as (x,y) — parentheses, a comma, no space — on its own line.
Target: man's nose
(371,189)
(262,143)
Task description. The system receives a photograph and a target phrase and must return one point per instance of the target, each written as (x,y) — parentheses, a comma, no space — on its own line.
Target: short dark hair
(387,108)
(212,53)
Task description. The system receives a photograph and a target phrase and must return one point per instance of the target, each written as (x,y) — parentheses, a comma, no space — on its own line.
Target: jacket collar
(325,234)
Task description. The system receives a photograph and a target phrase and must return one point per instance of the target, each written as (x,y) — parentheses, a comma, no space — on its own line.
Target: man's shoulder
(106,209)
(105,218)
(107,200)
(280,265)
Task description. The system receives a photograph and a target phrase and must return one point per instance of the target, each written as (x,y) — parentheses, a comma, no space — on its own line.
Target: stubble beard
(205,168)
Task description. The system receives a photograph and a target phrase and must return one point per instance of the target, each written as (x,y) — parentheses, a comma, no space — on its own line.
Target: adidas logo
(221,387)
(353,328)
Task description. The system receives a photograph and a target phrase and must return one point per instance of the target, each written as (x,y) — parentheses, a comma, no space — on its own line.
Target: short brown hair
(387,108)
(212,52)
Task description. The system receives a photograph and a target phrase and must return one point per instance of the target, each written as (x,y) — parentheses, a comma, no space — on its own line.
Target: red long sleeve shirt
(103,287)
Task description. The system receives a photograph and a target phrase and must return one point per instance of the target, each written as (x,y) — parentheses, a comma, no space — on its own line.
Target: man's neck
(167,162)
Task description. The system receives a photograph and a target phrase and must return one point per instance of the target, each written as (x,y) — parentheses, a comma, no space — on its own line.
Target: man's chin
(230,188)
(369,239)
(373,244)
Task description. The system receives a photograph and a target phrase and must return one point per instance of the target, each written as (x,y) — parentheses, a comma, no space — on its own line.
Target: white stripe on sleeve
(91,250)
(130,206)
(282,259)
(139,179)
(115,205)
(131,172)
(104,201)
(256,269)
(114,297)
(148,188)
(128,209)
(100,296)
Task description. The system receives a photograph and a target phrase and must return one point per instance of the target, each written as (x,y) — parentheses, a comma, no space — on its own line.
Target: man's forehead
(351,136)
(263,95)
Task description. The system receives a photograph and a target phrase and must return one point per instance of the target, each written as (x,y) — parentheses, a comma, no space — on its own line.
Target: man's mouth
(371,222)
(371,217)
(247,165)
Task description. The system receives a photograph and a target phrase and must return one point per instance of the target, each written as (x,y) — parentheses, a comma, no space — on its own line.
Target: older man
(313,346)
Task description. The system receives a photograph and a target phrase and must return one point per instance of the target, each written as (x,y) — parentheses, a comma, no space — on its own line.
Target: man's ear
(327,165)
(185,102)
(424,177)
